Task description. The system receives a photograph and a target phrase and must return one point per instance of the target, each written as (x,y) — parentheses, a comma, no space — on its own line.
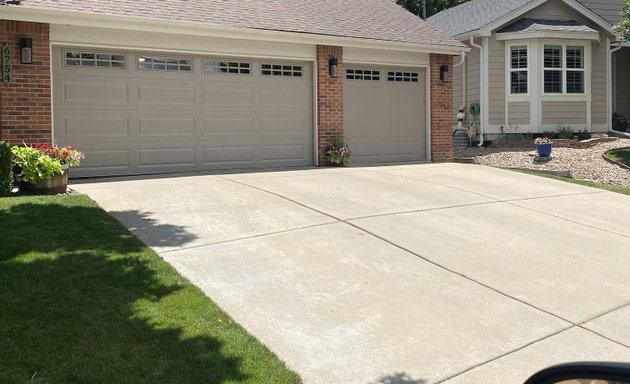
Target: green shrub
(584,135)
(6,169)
(511,137)
(565,131)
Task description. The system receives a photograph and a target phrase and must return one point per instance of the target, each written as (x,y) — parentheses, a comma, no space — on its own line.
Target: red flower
(65,154)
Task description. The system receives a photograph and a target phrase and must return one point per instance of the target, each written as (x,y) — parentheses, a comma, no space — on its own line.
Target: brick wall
(25,106)
(329,98)
(441,110)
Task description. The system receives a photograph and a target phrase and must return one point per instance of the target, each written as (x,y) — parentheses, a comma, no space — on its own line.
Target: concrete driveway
(423,273)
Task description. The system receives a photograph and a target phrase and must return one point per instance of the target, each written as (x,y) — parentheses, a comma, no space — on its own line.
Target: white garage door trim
(280,142)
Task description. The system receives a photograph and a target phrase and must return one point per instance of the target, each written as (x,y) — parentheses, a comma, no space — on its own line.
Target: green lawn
(83,301)
(621,155)
(612,188)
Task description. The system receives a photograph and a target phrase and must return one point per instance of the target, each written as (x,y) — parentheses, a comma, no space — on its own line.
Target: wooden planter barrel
(57,184)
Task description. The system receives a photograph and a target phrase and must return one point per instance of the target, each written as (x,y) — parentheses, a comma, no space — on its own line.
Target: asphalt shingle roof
(364,19)
(474,15)
(537,25)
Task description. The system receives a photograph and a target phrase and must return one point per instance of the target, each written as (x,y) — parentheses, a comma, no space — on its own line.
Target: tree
(623,28)
(433,6)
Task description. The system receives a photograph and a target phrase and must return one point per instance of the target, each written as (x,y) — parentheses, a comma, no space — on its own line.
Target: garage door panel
(385,121)
(134,121)
(284,126)
(86,128)
(285,98)
(228,97)
(167,157)
(243,155)
(229,126)
(166,126)
(94,93)
(106,159)
(166,95)
(278,153)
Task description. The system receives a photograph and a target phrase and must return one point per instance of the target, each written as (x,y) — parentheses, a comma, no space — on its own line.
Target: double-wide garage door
(135,112)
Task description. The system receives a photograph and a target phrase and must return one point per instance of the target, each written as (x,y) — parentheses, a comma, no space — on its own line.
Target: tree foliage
(433,6)
(624,25)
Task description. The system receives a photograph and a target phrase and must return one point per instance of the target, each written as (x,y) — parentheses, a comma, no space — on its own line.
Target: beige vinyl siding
(623,81)
(564,112)
(599,113)
(496,81)
(519,112)
(608,9)
(551,10)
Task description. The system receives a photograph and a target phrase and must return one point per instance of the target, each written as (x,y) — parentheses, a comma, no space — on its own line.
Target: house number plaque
(7,65)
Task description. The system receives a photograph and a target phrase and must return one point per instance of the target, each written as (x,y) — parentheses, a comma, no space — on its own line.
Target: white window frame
(179,65)
(508,66)
(222,61)
(81,52)
(563,69)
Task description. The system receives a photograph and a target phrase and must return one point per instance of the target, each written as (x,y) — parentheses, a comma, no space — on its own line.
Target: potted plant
(620,123)
(43,168)
(543,146)
(337,153)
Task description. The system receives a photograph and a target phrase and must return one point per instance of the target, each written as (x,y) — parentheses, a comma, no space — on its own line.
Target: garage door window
(94,59)
(226,66)
(363,74)
(407,77)
(282,70)
(164,63)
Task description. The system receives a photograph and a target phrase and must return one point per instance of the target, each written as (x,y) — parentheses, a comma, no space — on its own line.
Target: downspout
(481,83)
(461,62)
(613,50)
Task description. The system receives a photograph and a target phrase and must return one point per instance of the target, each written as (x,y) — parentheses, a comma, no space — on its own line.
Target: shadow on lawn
(93,305)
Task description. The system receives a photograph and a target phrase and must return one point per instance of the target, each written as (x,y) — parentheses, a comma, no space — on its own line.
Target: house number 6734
(7,65)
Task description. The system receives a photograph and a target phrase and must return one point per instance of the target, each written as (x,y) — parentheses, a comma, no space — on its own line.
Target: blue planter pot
(544,150)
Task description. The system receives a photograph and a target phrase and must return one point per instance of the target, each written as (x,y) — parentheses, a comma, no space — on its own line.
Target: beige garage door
(137,112)
(385,114)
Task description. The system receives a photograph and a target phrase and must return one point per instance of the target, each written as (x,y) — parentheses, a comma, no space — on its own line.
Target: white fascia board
(548,35)
(600,21)
(198,29)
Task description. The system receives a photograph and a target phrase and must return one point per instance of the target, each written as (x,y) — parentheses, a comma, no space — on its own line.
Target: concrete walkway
(425,273)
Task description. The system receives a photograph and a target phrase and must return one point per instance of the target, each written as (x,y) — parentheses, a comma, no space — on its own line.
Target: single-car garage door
(385,114)
(136,112)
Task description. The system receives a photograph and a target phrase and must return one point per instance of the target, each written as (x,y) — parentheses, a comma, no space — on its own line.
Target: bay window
(563,71)
(518,70)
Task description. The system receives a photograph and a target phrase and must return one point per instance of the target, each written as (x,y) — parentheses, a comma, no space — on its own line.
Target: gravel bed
(587,164)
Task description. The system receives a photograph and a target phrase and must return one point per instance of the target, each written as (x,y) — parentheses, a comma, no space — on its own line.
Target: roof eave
(573,35)
(185,28)
(490,27)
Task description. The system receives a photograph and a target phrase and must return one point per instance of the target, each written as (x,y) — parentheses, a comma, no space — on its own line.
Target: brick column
(25,106)
(441,109)
(329,98)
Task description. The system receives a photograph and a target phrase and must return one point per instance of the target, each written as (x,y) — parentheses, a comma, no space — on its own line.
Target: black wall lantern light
(26,43)
(333,67)
(444,73)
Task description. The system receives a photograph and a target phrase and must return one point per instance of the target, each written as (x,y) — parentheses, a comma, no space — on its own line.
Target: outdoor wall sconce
(444,73)
(27,50)
(333,67)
